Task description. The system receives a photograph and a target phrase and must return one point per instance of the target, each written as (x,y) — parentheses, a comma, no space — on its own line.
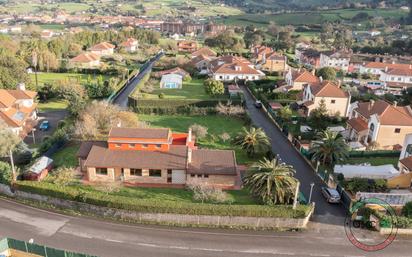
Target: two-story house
(308,57)
(156,156)
(85,61)
(379,122)
(336,100)
(130,45)
(339,60)
(376,68)
(187,46)
(103,48)
(396,79)
(18,110)
(297,80)
(230,68)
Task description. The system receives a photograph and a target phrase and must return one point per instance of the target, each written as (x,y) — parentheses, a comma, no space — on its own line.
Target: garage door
(178,177)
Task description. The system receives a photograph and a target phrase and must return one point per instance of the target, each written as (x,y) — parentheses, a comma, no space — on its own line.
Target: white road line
(115,241)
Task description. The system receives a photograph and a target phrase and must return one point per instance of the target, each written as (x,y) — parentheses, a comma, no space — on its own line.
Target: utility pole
(295,201)
(311,191)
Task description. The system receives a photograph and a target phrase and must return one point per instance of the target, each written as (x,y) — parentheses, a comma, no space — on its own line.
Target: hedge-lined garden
(159,206)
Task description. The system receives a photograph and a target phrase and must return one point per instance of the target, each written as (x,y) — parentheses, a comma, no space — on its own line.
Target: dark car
(258,104)
(331,195)
(44,125)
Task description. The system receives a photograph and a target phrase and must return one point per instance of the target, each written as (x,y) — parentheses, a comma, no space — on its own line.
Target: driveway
(325,212)
(53,117)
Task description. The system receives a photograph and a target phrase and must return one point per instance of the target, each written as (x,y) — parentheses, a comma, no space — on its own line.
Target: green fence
(9,243)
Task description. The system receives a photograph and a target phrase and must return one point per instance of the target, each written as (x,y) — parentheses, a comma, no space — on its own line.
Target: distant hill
(282,5)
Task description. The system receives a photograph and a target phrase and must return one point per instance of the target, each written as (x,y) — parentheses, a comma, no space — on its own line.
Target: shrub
(5,173)
(77,193)
(224,136)
(161,96)
(214,87)
(199,131)
(407,210)
(207,193)
(62,176)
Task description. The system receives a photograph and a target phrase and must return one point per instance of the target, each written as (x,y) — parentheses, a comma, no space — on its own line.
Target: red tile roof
(358,124)
(102,46)
(85,58)
(129,42)
(304,76)
(212,162)
(205,51)
(147,133)
(328,89)
(387,113)
(382,65)
(407,162)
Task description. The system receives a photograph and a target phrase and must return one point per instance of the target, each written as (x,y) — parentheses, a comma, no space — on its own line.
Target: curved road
(102,238)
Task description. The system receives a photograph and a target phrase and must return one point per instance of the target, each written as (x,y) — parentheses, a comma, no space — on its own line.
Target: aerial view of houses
(162,128)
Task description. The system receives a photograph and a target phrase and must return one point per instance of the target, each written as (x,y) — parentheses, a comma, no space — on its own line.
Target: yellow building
(379,122)
(297,80)
(336,100)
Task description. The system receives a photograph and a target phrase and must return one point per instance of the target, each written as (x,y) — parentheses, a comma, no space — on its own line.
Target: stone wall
(165,218)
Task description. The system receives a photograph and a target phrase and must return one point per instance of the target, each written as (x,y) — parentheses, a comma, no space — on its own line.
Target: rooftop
(141,133)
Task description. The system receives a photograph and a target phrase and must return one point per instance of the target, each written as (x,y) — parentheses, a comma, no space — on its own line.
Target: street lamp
(311,190)
(32,133)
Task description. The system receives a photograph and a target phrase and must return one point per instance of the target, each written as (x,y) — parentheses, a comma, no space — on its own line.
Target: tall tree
(254,141)
(329,148)
(272,181)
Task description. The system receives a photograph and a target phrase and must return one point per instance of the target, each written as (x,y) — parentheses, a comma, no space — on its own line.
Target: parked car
(258,104)
(44,125)
(331,195)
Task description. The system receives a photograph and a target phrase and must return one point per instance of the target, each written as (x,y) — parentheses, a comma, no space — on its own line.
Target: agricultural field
(69,7)
(310,18)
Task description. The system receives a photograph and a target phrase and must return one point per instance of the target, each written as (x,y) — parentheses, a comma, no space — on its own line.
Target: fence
(345,198)
(31,248)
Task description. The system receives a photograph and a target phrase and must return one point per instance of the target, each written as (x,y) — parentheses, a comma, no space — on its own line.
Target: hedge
(156,206)
(165,103)
(380,153)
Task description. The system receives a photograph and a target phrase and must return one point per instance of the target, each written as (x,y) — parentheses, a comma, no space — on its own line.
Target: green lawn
(52,105)
(216,124)
(189,90)
(66,156)
(375,161)
(50,77)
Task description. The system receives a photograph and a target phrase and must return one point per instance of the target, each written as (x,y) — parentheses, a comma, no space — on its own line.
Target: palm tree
(329,148)
(254,141)
(271,181)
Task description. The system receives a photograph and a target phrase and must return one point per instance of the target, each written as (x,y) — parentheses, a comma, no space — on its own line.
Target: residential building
(103,48)
(187,46)
(376,68)
(179,71)
(18,110)
(156,157)
(200,62)
(260,52)
(339,60)
(231,68)
(405,159)
(268,60)
(308,57)
(205,51)
(171,81)
(46,34)
(85,61)
(130,45)
(379,122)
(396,79)
(297,80)
(336,100)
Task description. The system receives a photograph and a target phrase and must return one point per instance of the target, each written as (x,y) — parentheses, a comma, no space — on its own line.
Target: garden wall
(165,218)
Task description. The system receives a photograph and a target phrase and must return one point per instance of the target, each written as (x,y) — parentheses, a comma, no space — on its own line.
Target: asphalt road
(102,238)
(122,98)
(280,145)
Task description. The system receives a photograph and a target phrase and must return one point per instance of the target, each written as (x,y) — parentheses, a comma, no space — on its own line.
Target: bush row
(380,153)
(157,206)
(167,103)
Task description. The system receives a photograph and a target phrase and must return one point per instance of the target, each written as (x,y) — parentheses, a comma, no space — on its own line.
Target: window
(169,172)
(332,101)
(192,175)
(155,173)
(397,130)
(206,175)
(132,145)
(145,145)
(136,172)
(158,146)
(101,171)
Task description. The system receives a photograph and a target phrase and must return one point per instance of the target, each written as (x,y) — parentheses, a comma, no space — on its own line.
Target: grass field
(50,77)
(52,105)
(375,161)
(216,124)
(310,18)
(34,7)
(189,90)
(66,157)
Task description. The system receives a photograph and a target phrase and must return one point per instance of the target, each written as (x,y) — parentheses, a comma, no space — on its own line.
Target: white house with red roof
(232,68)
(85,61)
(396,79)
(18,109)
(103,48)
(376,68)
(130,45)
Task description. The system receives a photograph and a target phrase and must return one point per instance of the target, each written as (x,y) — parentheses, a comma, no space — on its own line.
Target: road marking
(115,241)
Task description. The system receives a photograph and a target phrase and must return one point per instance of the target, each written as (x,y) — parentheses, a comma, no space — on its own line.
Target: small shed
(275,106)
(171,81)
(39,170)
(234,90)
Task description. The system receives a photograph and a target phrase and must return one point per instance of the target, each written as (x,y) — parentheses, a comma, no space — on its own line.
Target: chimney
(21,86)
(189,155)
(339,83)
(314,71)
(372,103)
(238,68)
(320,79)
(189,137)
(395,103)
(264,57)
(386,68)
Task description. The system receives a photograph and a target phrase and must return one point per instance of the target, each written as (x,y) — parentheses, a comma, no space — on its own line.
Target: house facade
(396,78)
(376,68)
(379,122)
(187,46)
(339,60)
(232,68)
(103,48)
(297,80)
(130,45)
(156,157)
(308,57)
(336,100)
(18,110)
